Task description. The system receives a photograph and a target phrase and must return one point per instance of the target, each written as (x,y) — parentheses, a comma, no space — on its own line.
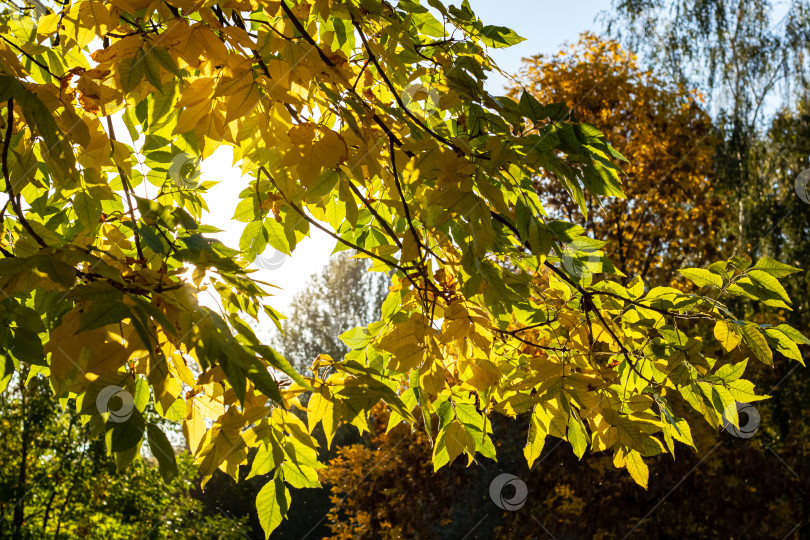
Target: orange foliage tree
(377,489)
(670,215)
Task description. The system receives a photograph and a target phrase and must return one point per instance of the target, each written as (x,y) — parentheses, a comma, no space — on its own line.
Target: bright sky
(545,24)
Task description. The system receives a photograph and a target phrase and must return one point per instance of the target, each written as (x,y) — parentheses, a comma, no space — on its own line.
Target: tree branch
(34,60)
(398,98)
(127,189)
(15,199)
(382,222)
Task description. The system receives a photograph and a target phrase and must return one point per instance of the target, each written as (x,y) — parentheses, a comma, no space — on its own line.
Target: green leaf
(602,180)
(253,240)
(500,36)
(276,236)
(37,114)
(246,210)
(775,268)
(141,397)
(743,390)
(58,271)
(756,290)
(616,154)
(783,344)
(153,311)
(577,436)
(678,429)
(124,436)
(323,185)
(720,268)
(162,450)
(151,238)
(264,382)
(731,372)
(756,342)
(152,70)
(236,374)
(356,338)
(7,369)
(742,263)
(266,459)
(27,346)
(88,210)
(767,281)
(165,60)
(280,363)
(453,439)
(272,503)
(132,70)
(702,277)
(299,475)
(95,290)
(793,334)
(103,312)
(531,108)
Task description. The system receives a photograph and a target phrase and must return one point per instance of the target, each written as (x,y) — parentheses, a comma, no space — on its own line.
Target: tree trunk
(19,509)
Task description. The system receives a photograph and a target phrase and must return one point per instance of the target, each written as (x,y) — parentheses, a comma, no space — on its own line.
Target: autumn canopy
(370,122)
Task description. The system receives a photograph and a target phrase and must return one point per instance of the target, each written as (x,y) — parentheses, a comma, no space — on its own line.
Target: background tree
(750,57)
(344,295)
(670,215)
(57,480)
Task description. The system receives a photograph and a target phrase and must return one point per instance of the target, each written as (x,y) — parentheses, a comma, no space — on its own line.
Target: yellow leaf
(199,91)
(536,441)
(121,157)
(410,332)
(314,148)
(242,102)
(89,19)
(122,48)
(637,468)
(452,441)
(410,248)
(728,339)
(79,358)
(407,357)
(193,425)
(432,376)
(211,43)
(317,407)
